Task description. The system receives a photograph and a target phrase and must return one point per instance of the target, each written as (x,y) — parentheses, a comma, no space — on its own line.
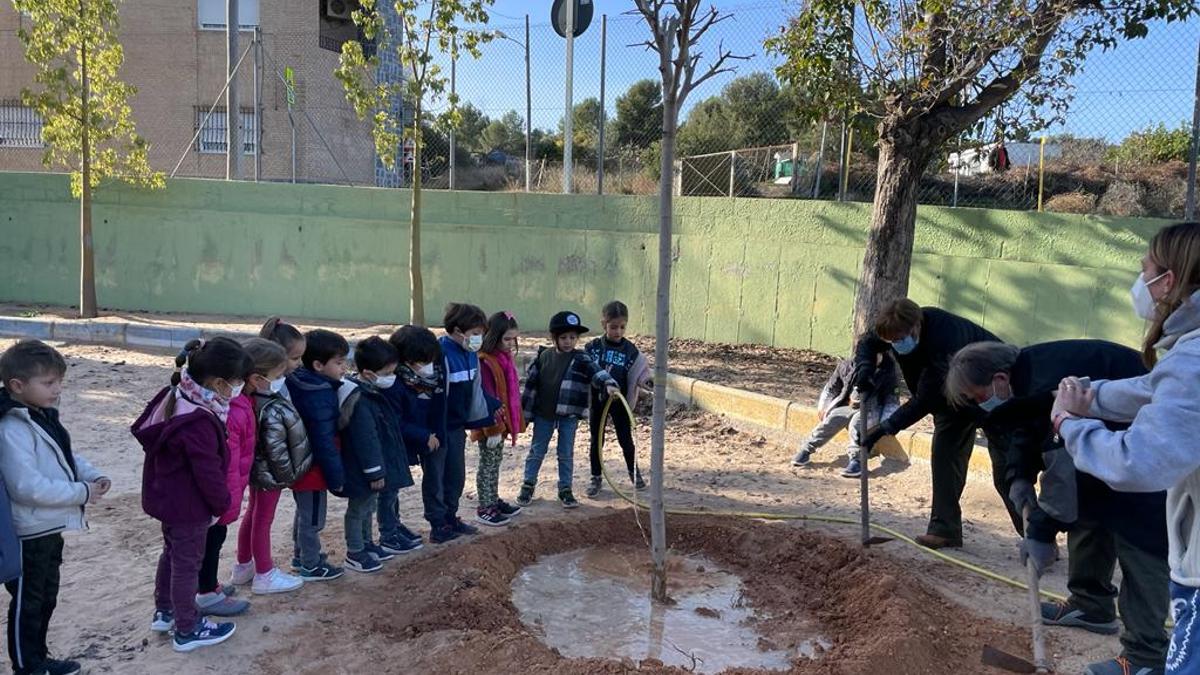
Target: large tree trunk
(87,267)
(416,313)
(888,258)
(662,338)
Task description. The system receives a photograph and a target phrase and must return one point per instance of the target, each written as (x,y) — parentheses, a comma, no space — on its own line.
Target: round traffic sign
(583,16)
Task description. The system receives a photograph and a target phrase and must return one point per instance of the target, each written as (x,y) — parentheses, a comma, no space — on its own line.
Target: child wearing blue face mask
(922,340)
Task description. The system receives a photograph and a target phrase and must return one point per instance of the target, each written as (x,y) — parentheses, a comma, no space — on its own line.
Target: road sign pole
(568,126)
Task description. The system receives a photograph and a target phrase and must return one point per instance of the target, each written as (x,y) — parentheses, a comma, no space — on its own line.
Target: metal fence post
(732,165)
(600,149)
(1189,208)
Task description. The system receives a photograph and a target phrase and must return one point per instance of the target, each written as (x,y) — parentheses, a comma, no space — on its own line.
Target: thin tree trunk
(87,269)
(416,285)
(662,337)
(888,257)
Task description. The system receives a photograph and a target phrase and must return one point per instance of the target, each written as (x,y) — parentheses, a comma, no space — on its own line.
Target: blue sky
(1140,83)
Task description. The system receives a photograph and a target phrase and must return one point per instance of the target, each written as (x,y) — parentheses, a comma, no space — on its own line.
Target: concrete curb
(771,413)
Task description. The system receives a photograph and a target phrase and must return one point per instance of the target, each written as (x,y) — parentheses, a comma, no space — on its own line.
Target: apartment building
(175,54)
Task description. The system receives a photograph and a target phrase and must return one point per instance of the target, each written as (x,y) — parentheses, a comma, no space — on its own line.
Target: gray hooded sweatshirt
(1161,448)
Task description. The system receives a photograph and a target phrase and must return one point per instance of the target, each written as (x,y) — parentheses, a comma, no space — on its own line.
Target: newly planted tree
(676,27)
(87,124)
(928,70)
(422,31)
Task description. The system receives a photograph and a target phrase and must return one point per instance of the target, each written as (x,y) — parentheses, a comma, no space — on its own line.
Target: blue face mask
(905,346)
(993,402)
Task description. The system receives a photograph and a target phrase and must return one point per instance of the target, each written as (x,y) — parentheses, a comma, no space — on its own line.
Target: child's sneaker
(491,517)
(408,534)
(243,573)
(275,581)
(594,486)
(853,469)
(362,561)
(322,572)
(163,622)
(60,667)
(442,534)
(381,554)
(526,494)
(297,565)
(461,527)
(219,604)
(507,509)
(567,498)
(400,545)
(802,458)
(206,634)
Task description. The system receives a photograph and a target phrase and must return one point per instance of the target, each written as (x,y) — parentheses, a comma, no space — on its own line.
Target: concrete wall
(779,272)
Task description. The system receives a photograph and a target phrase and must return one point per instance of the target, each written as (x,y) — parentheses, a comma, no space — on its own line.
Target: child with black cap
(556,396)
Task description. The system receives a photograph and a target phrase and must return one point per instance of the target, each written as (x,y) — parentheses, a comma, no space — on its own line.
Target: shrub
(1123,199)
(1072,202)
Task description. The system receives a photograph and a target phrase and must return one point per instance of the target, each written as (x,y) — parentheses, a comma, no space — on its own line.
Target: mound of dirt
(453,612)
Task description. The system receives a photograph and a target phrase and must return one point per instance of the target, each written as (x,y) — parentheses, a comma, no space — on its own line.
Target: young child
(49,485)
(291,339)
(182,431)
(466,407)
(372,450)
(629,368)
(212,598)
(500,382)
(417,399)
(838,407)
(556,396)
(313,388)
(281,455)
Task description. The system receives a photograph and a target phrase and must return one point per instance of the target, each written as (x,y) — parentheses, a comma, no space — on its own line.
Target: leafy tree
(426,28)
(707,129)
(87,123)
(471,125)
(639,115)
(506,134)
(1154,145)
(929,71)
(585,121)
(751,111)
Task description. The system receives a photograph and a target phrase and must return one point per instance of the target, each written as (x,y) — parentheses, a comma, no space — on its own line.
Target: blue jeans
(543,429)
(1183,657)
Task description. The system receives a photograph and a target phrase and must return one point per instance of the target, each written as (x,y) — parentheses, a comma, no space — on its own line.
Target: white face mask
(474,343)
(385,381)
(277,384)
(426,370)
(237,390)
(1143,301)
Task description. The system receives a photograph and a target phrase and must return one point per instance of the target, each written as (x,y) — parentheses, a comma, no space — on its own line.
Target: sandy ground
(343,626)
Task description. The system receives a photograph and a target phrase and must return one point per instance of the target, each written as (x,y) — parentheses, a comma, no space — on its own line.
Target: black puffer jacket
(282,454)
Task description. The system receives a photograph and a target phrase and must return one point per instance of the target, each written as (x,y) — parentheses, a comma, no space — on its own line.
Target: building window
(20,126)
(212,14)
(211,140)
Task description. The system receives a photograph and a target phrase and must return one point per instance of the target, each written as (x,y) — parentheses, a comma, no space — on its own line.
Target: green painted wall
(778,272)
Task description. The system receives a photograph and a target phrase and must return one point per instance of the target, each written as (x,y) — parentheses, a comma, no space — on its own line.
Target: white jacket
(1161,448)
(47,497)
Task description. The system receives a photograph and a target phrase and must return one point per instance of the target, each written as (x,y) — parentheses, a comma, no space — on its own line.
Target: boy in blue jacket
(314,389)
(418,400)
(373,453)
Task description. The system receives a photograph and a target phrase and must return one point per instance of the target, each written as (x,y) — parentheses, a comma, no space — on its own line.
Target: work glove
(874,435)
(1042,554)
(1022,495)
(494,442)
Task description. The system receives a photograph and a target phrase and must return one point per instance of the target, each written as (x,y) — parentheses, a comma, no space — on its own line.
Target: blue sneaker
(381,554)
(399,545)
(802,458)
(297,565)
(163,622)
(362,561)
(322,572)
(408,534)
(206,634)
(853,469)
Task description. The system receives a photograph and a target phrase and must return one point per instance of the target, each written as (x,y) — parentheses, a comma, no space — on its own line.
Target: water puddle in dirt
(595,602)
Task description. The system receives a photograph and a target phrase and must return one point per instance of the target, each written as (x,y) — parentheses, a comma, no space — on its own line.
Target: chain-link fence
(1122,149)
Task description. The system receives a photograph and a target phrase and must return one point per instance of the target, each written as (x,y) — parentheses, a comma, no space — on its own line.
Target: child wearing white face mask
(281,455)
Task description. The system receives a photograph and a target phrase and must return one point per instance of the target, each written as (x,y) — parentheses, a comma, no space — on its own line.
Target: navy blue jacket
(315,398)
(466,404)
(10,545)
(372,448)
(419,417)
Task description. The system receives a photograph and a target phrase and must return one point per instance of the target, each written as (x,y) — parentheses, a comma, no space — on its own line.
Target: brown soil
(790,575)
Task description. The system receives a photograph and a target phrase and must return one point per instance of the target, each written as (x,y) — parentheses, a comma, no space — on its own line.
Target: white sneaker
(275,581)
(242,574)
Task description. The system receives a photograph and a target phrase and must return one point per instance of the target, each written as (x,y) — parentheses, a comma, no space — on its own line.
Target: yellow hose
(981,571)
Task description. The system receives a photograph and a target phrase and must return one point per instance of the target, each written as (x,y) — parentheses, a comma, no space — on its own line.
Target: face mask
(385,381)
(993,402)
(474,343)
(905,346)
(426,370)
(1143,301)
(277,384)
(237,391)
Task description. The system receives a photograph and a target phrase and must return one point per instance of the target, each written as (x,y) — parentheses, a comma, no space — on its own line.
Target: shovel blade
(1001,659)
(876,540)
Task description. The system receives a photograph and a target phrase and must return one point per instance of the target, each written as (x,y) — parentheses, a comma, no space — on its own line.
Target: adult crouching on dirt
(1160,449)
(1104,527)
(923,340)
